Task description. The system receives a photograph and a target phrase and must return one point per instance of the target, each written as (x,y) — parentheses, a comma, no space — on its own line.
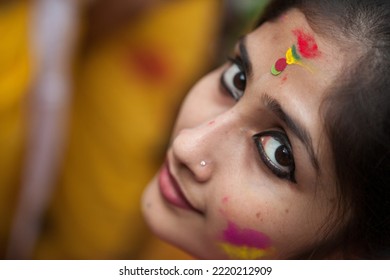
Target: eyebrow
(274,106)
(296,128)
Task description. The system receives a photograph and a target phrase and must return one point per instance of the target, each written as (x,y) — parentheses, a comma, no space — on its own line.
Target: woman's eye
(275,151)
(234,79)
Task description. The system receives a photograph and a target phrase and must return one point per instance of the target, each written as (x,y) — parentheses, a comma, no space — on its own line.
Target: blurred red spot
(149,63)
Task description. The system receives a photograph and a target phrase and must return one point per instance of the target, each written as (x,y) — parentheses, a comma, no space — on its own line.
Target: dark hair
(356,115)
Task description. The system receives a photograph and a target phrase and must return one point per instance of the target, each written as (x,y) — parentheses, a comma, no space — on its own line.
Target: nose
(199,149)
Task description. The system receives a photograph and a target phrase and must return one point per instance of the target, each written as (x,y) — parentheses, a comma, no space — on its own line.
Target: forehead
(321,59)
(300,85)
(300,88)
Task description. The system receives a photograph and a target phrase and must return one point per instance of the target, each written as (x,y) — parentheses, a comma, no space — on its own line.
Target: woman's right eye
(233,79)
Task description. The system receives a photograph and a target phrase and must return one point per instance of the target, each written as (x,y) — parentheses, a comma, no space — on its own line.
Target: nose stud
(203,163)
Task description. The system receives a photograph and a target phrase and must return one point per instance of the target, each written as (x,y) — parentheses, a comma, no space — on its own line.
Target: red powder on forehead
(307,45)
(280,64)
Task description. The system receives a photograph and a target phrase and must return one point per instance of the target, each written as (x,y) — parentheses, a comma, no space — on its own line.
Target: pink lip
(171,191)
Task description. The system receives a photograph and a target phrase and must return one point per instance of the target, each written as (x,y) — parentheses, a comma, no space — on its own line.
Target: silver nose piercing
(202,163)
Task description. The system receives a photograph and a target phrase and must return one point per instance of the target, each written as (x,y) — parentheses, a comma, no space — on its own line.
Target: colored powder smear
(279,66)
(307,48)
(292,57)
(245,243)
(306,44)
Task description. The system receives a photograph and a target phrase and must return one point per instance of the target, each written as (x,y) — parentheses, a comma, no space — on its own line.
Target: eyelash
(229,80)
(281,161)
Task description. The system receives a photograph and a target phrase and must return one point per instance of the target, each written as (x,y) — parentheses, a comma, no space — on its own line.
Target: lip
(171,190)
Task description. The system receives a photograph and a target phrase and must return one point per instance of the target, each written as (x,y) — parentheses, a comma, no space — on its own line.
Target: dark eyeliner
(238,61)
(266,160)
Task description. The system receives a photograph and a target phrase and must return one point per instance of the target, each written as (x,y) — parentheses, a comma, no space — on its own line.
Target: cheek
(245,243)
(241,242)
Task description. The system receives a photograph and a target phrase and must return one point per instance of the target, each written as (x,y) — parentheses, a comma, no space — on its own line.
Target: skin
(235,187)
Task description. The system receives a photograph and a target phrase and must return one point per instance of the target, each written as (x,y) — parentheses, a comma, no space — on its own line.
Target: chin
(159,218)
(170,225)
(148,205)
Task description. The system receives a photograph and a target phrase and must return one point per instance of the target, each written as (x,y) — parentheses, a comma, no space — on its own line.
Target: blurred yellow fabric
(127,90)
(126,94)
(15,78)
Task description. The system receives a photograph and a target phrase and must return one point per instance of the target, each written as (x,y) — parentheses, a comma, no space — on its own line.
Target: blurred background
(88,94)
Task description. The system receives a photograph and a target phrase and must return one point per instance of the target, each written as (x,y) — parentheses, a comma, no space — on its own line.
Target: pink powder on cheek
(307,45)
(245,237)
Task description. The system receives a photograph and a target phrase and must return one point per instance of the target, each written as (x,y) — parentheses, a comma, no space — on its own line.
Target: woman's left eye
(276,153)
(233,79)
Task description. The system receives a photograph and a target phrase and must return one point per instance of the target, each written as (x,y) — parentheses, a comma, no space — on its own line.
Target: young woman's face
(247,175)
